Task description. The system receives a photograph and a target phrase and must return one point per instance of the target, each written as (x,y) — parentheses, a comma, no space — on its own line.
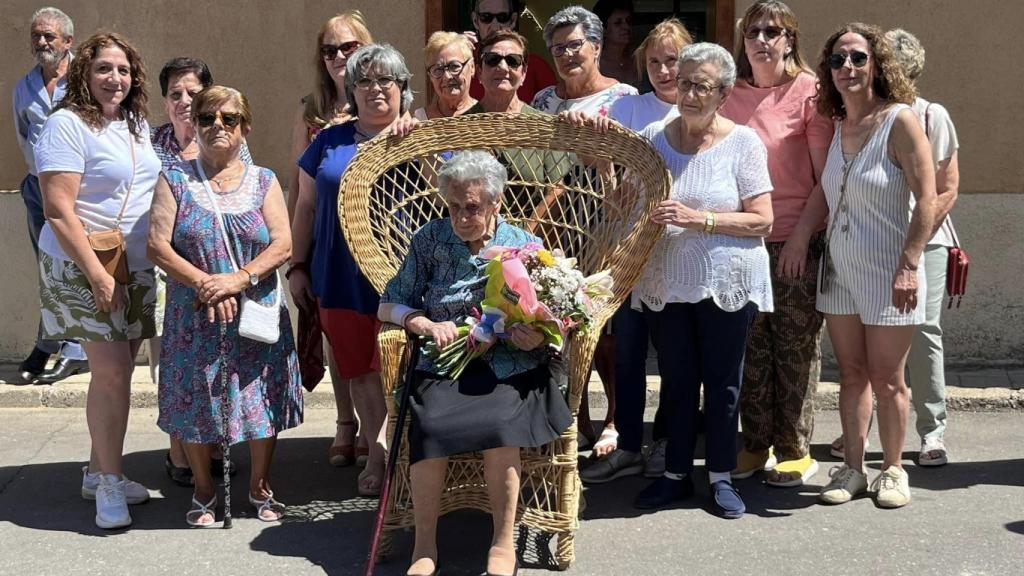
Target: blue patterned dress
(264,384)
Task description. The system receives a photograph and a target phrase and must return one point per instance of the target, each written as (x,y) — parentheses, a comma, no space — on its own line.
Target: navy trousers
(701,344)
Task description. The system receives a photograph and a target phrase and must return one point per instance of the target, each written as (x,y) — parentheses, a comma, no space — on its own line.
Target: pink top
(788,123)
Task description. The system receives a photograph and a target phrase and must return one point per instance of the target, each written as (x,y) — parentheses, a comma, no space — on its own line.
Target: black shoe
(217,468)
(62,369)
(180,475)
(33,366)
(663,492)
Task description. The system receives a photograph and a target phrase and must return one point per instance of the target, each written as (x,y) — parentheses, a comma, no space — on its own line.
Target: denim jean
(701,344)
(33,199)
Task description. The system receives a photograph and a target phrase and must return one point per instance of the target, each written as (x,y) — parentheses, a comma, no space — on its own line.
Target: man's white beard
(48,58)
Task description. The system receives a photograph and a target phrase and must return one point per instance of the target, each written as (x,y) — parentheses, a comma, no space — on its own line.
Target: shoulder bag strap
(224,227)
(128,190)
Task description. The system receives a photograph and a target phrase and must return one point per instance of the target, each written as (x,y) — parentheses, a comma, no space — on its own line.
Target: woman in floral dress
(201,336)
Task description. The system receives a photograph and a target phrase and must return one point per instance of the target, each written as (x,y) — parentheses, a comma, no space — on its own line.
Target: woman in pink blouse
(774,95)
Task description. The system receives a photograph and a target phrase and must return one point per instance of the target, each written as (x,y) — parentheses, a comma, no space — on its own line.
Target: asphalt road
(966,518)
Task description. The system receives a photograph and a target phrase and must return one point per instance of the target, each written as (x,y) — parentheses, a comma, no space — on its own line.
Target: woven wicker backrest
(589,194)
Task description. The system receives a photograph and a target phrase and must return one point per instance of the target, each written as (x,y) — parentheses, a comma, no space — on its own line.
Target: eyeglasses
(384,82)
(574,46)
(856,57)
(488,17)
(770,32)
(453,68)
(493,59)
(330,51)
(701,89)
(228,119)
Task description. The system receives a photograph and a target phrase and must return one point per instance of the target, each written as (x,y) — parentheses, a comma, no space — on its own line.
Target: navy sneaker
(663,492)
(726,501)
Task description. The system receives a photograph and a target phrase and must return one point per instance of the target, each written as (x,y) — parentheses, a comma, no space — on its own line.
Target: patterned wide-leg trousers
(783,363)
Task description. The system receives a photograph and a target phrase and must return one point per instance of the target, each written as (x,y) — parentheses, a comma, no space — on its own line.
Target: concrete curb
(71,393)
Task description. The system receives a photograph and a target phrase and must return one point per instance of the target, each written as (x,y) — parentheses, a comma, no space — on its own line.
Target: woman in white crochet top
(708,275)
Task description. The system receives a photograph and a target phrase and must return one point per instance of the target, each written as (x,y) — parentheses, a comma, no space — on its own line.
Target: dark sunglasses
(493,59)
(838,60)
(330,51)
(228,119)
(488,17)
(770,32)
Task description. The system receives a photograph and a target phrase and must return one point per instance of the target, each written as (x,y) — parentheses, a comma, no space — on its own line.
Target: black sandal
(180,476)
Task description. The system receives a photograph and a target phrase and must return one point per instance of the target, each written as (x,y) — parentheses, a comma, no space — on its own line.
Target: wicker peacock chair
(595,210)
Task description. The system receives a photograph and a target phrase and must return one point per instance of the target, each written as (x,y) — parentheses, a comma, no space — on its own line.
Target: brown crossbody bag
(109,245)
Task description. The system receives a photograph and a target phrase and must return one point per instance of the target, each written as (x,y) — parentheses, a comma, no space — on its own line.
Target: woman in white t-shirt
(657,54)
(97,171)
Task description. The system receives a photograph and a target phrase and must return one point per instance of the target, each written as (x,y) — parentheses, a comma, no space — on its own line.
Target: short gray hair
(710,53)
(575,16)
(67,27)
(473,166)
(908,50)
(383,59)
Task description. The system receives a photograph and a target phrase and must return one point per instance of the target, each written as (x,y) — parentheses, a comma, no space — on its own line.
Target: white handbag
(255,321)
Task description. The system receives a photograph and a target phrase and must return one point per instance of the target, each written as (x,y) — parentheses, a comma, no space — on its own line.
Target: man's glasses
(48,36)
(701,89)
(856,57)
(330,51)
(488,17)
(770,32)
(384,82)
(454,68)
(228,119)
(493,59)
(574,46)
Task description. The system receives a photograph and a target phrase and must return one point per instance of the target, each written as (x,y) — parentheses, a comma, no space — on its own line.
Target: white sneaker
(892,488)
(111,507)
(134,492)
(845,484)
(616,464)
(655,465)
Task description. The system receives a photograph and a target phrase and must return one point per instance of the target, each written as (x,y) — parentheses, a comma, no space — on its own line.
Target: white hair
(908,50)
(575,16)
(710,53)
(67,27)
(473,166)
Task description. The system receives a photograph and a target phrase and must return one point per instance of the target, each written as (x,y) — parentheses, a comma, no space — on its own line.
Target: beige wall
(261,47)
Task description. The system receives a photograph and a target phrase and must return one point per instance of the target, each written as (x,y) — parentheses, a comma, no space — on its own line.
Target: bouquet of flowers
(528,285)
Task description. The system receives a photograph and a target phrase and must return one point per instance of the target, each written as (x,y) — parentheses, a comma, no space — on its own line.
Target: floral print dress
(264,386)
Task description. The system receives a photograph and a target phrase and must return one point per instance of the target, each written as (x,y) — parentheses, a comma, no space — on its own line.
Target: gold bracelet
(714,223)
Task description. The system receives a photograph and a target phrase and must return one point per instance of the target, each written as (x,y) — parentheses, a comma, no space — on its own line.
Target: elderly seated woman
(505,400)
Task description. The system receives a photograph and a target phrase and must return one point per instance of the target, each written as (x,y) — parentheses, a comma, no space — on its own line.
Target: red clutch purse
(957,265)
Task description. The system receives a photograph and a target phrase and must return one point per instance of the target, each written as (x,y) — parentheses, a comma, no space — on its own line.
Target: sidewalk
(979,390)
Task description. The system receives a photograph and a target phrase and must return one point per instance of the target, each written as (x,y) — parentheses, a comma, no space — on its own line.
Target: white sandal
(268,505)
(198,510)
(609,439)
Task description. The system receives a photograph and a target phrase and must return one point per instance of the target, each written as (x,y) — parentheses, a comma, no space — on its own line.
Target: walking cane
(396,442)
(225,443)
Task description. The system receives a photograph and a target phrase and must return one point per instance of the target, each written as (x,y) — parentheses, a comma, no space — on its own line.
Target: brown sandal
(344,455)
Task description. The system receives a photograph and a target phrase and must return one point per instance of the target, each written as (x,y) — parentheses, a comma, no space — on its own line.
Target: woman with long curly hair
(97,170)
(879,182)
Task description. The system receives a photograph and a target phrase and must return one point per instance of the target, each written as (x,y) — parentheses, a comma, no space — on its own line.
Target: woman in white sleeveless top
(872,283)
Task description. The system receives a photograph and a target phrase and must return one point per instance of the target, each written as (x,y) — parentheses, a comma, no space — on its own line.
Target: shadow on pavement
(1017,527)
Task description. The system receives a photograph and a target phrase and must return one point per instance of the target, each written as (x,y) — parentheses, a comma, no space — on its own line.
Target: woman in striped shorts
(872,278)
